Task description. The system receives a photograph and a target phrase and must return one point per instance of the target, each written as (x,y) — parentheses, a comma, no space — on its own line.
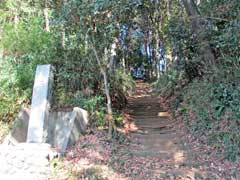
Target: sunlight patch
(163,114)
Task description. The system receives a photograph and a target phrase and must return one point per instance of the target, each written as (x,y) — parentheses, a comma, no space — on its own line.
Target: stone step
(176,173)
(141,111)
(163,143)
(148,106)
(146,116)
(154,121)
(154,108)
(151,126)
(171,157)
(152,131)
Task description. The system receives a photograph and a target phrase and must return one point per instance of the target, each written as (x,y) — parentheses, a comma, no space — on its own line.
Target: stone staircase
(157,137)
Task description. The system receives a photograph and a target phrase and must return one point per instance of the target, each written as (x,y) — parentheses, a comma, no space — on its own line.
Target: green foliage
(23,51)
(118,119)
(21,39)
(122,85)
(227,99)
(220,30)
(11,95)
(212,114)
(95,105)
(99,119)
(167,82)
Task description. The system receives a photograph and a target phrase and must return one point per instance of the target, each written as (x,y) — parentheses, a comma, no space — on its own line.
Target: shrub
(22,52)
(216,115)
(122,85)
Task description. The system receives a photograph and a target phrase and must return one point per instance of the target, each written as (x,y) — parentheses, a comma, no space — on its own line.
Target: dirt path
(157,136)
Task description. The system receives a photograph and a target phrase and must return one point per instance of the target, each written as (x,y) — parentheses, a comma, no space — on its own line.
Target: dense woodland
(94,43)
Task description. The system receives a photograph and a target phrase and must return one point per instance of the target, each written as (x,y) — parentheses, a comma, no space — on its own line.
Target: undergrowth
(216,115)
(210,110)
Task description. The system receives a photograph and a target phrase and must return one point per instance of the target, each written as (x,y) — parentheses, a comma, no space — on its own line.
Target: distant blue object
(138,73)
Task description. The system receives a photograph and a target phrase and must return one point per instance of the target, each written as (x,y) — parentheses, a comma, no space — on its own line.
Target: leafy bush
(122,85)
(22,52)
(167,83)
(14,89)
(216,115)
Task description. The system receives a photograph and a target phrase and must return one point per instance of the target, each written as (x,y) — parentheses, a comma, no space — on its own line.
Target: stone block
(38,122)
(79,124)
(66,128)
(18,134)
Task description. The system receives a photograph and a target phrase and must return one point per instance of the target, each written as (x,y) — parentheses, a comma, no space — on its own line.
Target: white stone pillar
(38,122)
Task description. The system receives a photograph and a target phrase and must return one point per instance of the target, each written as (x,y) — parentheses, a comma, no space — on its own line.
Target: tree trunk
(15,20)
(1,56)
(113,55)
(198,28)
(107,93)
(46,16)
(147,59)
(63,31)
(157,53)
(124,64)
(168,8)
(63,36)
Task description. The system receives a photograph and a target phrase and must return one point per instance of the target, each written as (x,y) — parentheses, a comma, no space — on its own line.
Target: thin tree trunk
(15,20)
(46,16)
(113,55)
(63,31)
(168,8)
(107,93)
(124,64)
(151,52)
(63,36)
(149,63)
(1,55)
(157,53)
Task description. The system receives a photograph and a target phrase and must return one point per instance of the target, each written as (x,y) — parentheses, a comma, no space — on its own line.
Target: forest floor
(151,146)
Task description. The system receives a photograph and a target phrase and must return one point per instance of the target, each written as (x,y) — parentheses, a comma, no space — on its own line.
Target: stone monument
(38,122)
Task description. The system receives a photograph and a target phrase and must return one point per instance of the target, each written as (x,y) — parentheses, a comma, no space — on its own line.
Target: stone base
(66,128)
(25,161)
(18,134)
